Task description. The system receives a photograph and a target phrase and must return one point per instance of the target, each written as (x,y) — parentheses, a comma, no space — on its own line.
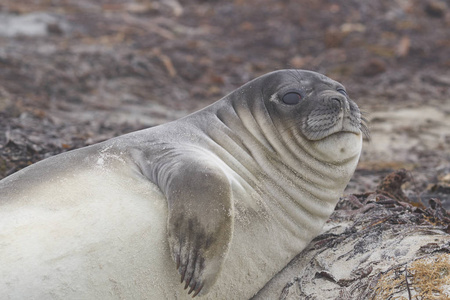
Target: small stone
(403,46)
(353,27)
(54,29)
(445,178)
(141,8)
(435,8)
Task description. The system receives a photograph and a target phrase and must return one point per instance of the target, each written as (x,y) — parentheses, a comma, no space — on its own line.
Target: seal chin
(339,147)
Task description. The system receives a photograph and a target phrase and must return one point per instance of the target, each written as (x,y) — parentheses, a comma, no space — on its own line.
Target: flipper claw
(197,291)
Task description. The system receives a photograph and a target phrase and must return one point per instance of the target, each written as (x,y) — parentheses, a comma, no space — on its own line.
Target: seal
(220,200)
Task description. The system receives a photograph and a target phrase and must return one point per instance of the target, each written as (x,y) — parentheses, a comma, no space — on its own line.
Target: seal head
(312,104)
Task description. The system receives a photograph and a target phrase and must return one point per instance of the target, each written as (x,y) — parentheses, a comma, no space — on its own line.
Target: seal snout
(333,113)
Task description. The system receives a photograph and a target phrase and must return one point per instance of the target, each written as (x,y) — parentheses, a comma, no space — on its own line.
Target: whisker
(365,130)
(365,124)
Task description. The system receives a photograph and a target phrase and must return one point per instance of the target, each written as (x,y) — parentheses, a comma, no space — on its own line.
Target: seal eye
(291,98)
(342,91)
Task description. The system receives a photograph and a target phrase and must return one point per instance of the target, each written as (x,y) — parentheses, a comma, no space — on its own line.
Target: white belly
(93,235)
(101,234)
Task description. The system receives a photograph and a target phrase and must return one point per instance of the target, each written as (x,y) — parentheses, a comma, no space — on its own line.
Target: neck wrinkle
(290,164)
(280,179)
(248,120)
(255,154)
(236,150)
(322,172)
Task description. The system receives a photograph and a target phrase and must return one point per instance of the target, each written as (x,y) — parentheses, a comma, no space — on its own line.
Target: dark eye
(342,91)
(291,98)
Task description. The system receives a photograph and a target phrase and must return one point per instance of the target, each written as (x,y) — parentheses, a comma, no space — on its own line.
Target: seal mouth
(336,114)
(318,135)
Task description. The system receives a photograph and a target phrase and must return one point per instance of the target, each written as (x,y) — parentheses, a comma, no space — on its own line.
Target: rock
(33,24)
(435,9)
(403,47)
(55,29)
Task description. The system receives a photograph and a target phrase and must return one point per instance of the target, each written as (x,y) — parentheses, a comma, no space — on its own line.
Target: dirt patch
(75,72)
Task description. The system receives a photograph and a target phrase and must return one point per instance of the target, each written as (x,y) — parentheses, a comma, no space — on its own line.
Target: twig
(167,62)
(407,284)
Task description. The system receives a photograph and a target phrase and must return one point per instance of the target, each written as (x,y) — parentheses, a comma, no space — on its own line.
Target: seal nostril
(339,101)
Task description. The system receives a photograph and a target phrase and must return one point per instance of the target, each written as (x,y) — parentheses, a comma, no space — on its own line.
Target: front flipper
(200,220)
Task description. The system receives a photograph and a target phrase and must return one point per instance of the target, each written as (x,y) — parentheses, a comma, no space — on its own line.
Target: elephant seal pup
(224,198)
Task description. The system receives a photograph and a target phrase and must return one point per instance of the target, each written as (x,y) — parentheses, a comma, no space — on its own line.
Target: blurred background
(76,72)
